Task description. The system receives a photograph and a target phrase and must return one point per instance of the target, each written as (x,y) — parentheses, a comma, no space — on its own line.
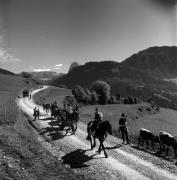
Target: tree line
(100,93)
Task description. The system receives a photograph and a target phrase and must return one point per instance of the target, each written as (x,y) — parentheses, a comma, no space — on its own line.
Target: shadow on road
(46,119)
(114,147)
(157,154)
(77,159)
(49,129)
(56,135)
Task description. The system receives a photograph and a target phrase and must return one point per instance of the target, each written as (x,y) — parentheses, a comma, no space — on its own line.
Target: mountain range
(143,74)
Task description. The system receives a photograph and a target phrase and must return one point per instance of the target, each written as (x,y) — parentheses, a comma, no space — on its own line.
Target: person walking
(123,128)
(34,113)
(38,114)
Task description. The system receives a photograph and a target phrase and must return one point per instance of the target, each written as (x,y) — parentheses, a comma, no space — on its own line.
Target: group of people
(98,117)
(70,109)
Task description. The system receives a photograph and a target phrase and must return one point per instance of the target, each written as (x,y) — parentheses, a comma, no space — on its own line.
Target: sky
(37,35)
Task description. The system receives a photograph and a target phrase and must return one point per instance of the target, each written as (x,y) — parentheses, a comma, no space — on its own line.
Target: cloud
(57,68)
(6,57)
(41,70)
(58,65)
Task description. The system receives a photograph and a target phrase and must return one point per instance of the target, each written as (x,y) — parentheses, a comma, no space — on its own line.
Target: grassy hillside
(157,61)
(21,156)
(3,71)
(51,94)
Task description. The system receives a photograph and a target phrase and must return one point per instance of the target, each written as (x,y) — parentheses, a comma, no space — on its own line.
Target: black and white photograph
(88,89)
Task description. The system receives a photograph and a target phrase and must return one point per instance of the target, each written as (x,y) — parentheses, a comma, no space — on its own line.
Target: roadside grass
(21,155)
(51,94)
(138,116)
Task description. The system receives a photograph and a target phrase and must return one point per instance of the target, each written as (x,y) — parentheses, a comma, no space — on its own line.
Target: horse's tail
(88,131)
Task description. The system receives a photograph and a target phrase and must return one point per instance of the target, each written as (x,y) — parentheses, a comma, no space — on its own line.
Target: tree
(79,94)
(130,100)
(118,97)
(94,97)
(113,100)
(103,90)
(88,96)
(26,75)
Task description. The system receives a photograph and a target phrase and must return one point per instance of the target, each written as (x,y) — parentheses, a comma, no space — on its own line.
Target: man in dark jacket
(98,115)
(123,128)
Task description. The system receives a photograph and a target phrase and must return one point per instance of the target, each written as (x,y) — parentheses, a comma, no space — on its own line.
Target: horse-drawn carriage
(64,119)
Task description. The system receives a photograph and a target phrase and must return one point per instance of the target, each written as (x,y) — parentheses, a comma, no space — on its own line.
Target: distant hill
(140,75)
(73,65)
(109,71)
(44,75)
(3,71)
(161,62)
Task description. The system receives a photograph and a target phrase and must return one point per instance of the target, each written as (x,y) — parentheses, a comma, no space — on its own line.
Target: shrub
(135,100)
(126,101)
(88,98)
(94,97)
(113,100)
(130,100)
(118,97)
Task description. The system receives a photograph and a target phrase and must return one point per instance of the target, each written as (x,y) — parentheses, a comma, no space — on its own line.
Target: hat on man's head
(122,114)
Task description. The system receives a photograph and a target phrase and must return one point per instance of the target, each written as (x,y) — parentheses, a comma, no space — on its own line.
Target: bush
(88,98)
(103,91)
(94,97)
(130,100)
(79,94)
(126,101)
(118,97)
(113,100)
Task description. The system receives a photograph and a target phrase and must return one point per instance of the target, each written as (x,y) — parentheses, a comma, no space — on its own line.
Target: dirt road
(124,162)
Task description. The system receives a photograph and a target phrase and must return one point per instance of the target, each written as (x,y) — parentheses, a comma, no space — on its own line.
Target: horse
(53,108)
(147,135)
(56,114)
(46,107)
(99,131)
(71,120)
(168,140)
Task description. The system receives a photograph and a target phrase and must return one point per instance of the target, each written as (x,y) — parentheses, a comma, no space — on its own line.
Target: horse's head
(108,127)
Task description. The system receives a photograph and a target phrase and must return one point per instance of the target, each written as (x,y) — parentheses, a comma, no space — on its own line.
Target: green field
(51,94)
